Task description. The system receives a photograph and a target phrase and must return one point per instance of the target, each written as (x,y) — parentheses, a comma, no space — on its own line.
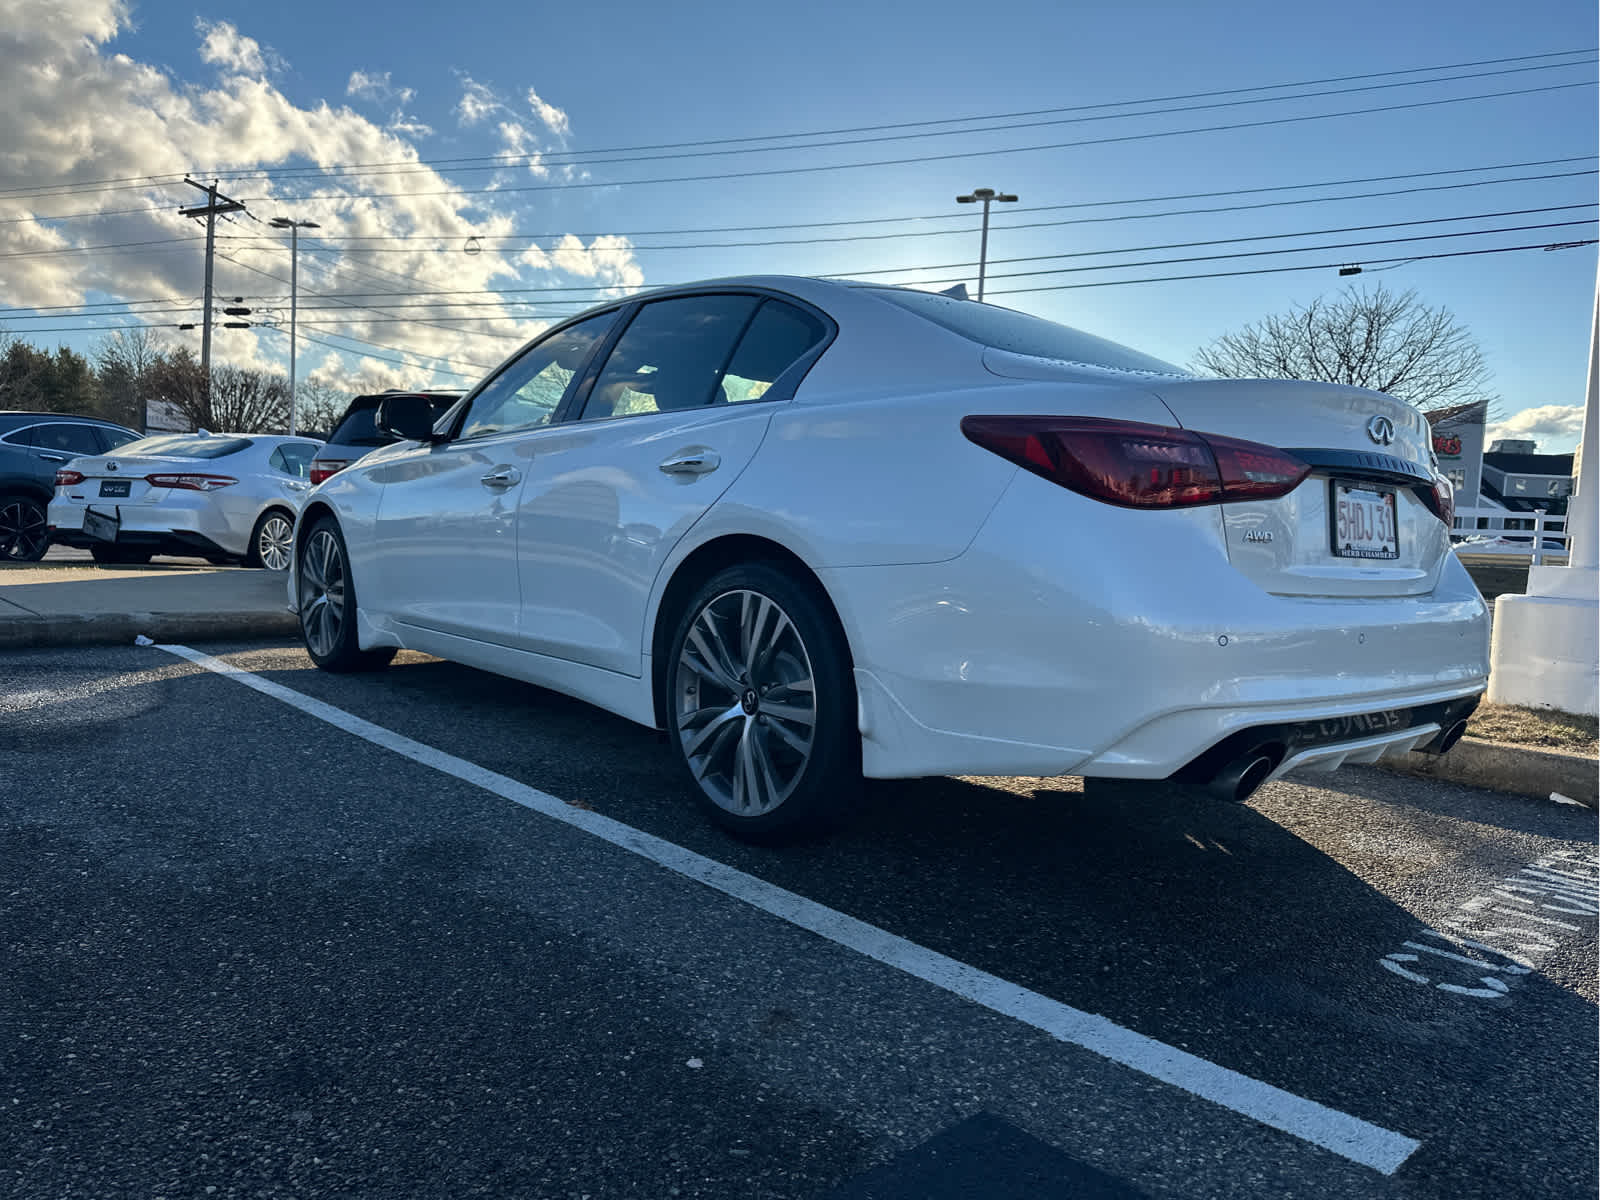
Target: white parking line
(1350,1137)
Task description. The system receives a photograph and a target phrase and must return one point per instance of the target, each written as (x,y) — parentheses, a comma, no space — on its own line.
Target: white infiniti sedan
(816,530)
(220,496)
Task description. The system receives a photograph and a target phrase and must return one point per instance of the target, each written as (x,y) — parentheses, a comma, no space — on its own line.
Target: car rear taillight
(66,478)
(191,483)
(1443,502)
(1136,465)
(327,468)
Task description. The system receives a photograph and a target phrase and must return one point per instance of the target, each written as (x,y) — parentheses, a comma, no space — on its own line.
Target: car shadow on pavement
(1260,936)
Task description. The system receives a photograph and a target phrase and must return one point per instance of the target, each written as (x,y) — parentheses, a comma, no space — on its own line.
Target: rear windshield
(360,427)
(184,445)
(1007,329)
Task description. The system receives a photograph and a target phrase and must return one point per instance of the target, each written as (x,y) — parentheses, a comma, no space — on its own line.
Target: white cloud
(225,46)
(77,112)
(607,258)
(477,102)
(369,86)
(520,143)
(1556,427)
(409,127)
(554,119)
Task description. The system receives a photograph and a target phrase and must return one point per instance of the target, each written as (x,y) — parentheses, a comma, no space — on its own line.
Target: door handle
(700,460)
(501,477)
(54,457)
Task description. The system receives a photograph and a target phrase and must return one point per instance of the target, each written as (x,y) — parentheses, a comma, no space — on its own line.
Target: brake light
(66,478)
(1444,501)
(1136,465)
(327,468)
(191,483)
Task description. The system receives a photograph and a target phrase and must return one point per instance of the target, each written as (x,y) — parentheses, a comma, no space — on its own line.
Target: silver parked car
(218,496)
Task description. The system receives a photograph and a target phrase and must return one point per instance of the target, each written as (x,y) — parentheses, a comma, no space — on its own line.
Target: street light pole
(988,196)
(294,228)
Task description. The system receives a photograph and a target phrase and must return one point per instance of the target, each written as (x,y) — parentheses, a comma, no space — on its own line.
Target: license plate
(1364,521)
(99,527)
(115,487)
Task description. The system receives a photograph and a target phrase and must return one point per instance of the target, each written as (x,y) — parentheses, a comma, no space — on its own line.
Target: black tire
(767,732)
(24,529)
(271,541)
(325,597)
(108,555)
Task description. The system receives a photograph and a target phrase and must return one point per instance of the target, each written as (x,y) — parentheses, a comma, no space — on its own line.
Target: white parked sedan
(220,496)
(815,530)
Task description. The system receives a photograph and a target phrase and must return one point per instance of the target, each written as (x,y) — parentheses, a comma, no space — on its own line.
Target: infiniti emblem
(1381,430)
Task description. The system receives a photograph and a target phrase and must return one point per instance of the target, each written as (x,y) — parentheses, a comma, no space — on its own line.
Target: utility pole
(215,206)
(294,228)
(987,196)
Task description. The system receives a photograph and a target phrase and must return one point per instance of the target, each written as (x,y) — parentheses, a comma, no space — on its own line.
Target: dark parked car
(33,446)
(357,432)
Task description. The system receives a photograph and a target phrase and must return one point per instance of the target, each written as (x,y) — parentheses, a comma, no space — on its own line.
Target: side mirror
(410,418)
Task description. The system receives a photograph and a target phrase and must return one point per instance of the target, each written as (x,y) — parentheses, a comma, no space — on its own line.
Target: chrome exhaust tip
(1240,778)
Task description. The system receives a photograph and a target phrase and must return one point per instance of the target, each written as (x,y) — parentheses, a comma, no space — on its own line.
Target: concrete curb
(121,628)
(1520,770)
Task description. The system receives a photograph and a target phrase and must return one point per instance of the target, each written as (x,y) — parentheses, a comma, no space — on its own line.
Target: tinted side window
(525,395)
(779,335)
(670,357)
(69,439)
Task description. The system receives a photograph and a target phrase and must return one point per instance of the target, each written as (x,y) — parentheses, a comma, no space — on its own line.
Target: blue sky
(249,90)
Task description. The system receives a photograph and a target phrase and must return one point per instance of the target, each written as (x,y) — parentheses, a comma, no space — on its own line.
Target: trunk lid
(116,479)
(1361,524)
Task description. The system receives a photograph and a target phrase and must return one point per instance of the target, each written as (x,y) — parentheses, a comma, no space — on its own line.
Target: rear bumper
(173,527)
(1134,649)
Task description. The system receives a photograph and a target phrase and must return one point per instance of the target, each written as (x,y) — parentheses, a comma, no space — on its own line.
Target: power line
(585,157)
(915,233)
(466,230)
(383,357)
(591,158)
(771,172)
(1325,266)
(501,300)
(156,180)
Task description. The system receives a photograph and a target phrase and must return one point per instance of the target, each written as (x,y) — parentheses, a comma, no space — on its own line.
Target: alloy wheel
(322,592)
(23,532)
(275,542)
(746,703)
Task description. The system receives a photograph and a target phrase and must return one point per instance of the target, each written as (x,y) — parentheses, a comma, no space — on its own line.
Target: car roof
(17,416)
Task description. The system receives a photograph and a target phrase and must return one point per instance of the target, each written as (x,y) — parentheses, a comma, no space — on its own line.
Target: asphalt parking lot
(433,933)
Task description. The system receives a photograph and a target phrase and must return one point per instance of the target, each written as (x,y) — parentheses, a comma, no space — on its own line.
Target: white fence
(1543,527)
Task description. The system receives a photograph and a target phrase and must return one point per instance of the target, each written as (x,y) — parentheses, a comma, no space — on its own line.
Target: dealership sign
(1447,445)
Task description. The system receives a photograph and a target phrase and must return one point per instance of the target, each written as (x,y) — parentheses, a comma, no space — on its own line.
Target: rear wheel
(761,704)
(24,535)
(326,600)
(272,541)
(107,554)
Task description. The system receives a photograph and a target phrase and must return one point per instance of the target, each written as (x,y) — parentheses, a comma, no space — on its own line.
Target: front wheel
(761,704)
(326,600)
(24,534)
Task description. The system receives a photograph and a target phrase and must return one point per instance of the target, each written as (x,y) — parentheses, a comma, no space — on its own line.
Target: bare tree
(1373,339)
(124,361)
(240,400)
(319,406)
(176,381)
(244,401)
